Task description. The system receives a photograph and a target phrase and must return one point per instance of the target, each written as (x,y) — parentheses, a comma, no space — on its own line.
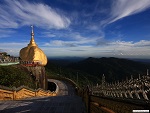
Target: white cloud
(69,37)
(124,8)
(142,43)
(126,49)
(16,13)
(61,43)
(6,32)
(48,34)
(131,49)
(123,49)
(12,48)
(76,39)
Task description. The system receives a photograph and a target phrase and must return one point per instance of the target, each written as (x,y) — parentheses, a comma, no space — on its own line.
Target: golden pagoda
(32,53)
(34,59)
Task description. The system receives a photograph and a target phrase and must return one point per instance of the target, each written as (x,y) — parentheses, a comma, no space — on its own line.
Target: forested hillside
(113,68)
(15,76)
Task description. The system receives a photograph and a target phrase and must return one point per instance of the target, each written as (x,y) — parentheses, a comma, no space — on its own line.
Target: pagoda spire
(32,42)
(32,29)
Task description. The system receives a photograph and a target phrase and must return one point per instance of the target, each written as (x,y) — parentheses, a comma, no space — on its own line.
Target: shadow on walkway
(58,104)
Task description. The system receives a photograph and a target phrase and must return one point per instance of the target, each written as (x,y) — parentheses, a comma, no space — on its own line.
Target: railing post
(14,93)
(35,93)
(87,99)
(82,94)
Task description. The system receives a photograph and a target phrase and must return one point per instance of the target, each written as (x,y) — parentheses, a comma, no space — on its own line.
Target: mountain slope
(15,76)
(113,68)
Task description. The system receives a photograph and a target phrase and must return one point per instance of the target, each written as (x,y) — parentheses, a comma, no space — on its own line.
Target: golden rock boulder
(32,53)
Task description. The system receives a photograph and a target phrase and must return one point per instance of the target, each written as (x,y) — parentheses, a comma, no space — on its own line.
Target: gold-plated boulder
(32,53)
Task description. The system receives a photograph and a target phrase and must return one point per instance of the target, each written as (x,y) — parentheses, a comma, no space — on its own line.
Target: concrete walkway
(59,104)
(66,102)
(62,88)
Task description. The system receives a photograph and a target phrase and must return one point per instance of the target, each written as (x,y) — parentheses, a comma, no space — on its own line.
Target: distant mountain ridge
(146,61)
(113,68)
(65,61)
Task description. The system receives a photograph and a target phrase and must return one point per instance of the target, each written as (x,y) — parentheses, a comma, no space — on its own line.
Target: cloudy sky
(77,28)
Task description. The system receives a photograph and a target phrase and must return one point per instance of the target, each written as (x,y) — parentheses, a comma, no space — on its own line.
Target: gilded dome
(32,53)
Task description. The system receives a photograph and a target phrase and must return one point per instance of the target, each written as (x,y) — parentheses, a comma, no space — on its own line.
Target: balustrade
(118,97)
(138,88)
(111,104)
(22,92)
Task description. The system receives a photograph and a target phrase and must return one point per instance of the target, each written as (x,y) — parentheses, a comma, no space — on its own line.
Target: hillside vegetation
(113,68)
(81,78)
(87,71)
(15,76)
(90,70)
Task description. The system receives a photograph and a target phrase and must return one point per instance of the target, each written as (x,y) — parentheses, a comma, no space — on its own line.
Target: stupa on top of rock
(34,59)
(32,53)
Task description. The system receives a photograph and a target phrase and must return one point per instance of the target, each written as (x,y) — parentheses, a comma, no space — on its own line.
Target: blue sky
(77,28)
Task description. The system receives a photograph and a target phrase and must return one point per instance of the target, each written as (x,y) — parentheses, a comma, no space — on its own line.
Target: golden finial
(32,42)
(32,32)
